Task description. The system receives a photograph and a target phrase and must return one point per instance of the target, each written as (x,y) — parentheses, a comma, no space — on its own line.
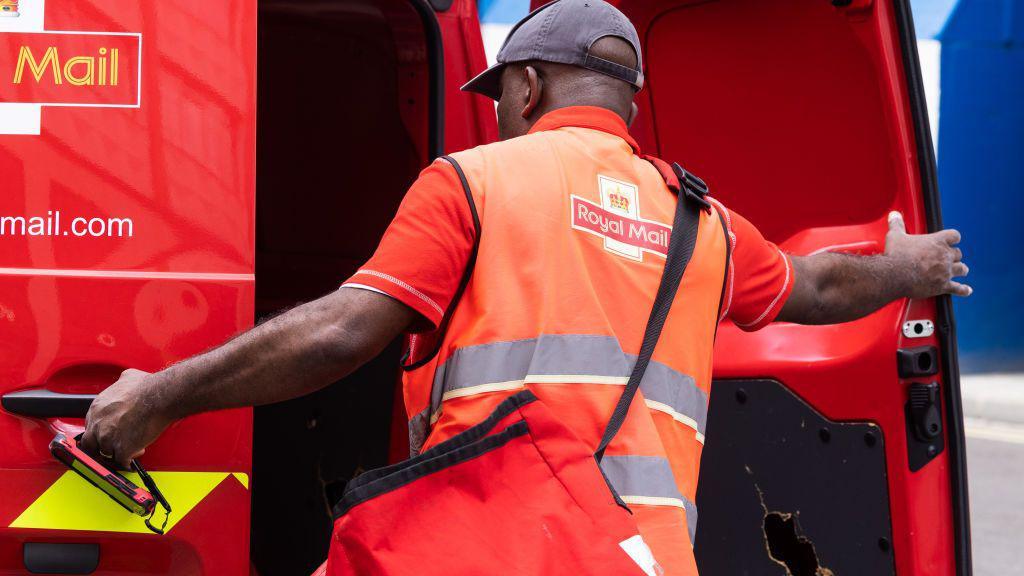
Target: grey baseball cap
(563,31)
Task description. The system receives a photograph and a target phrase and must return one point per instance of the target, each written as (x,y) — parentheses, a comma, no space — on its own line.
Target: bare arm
(832,288)
(293,354)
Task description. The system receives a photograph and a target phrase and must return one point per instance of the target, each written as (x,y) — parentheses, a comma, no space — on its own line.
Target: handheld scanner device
(121,490)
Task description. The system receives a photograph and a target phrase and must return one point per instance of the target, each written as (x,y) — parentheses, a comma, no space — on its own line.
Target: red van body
(173,172)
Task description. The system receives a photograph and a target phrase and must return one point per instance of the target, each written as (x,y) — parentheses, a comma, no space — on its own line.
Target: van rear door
(127,162)
(831,449)
(469,118)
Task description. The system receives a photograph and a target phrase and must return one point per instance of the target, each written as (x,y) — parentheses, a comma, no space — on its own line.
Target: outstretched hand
(932,261)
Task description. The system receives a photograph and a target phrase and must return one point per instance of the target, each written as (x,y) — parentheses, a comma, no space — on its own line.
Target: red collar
(591,117)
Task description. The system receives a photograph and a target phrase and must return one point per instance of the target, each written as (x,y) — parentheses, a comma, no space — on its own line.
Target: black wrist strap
(680,248)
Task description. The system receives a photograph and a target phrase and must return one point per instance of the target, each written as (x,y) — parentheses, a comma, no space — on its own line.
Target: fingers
(110,448)
(125,462)
(98,444)
(896,222)
(88,442)
(117,425)
(102,445)
(959,289)
(933,260)
(950,236)
(97,440)
(132,373)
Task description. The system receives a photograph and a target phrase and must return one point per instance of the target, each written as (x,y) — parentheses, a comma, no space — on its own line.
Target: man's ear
(633,111)
(534,89)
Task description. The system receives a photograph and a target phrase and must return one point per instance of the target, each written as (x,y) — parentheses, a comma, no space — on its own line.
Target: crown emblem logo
(9,8)
(616,200)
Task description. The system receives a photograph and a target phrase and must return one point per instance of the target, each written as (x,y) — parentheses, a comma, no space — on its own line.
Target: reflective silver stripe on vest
(648,480)
(565,357)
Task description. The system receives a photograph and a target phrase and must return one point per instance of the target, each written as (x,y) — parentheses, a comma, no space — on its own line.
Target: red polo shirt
(421,257)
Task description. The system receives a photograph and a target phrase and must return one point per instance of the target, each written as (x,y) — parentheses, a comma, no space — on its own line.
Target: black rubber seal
(728,262)
(435,64)
(956,445)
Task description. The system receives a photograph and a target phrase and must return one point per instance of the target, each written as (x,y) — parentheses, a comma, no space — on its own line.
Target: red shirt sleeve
(422,256)
(760,275)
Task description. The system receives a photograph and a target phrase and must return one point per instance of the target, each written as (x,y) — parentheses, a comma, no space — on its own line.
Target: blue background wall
(502,11)
(981,173)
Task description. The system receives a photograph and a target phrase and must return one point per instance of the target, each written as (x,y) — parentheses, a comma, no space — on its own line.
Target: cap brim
(487,82)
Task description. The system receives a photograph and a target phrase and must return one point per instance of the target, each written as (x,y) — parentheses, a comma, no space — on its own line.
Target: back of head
(568,85)
(565,53)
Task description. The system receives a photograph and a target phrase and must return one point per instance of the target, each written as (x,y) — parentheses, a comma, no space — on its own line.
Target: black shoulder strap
(680,248)
(728,264)
(413,363)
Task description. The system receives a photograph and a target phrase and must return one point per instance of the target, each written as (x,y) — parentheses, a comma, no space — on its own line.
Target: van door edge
(944,307)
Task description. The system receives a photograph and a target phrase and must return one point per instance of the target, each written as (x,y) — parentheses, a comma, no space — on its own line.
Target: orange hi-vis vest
(573,231)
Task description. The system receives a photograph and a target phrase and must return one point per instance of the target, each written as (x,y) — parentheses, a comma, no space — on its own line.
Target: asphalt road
(995,464)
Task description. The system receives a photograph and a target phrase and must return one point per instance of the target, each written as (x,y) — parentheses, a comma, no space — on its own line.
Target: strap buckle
(692,185)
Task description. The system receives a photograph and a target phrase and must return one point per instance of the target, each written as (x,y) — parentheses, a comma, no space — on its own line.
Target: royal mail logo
(40,67)
(70,68)
(617,220)
(9,8)
(619,201)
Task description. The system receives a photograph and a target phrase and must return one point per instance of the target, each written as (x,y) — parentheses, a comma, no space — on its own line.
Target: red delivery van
(172,173)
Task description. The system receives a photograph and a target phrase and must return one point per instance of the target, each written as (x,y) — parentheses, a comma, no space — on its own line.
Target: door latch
(924,424)
(924,411)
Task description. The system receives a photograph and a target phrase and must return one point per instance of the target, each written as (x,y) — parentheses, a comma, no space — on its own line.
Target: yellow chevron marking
(242,478)
(71,503)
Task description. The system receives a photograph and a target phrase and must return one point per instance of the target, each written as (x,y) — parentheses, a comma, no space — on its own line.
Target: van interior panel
(343,130)
(799,116)
(820,454)
(780,109)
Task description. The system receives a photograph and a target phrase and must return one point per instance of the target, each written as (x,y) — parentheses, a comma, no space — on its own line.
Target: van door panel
(830,470)
(142,256)
(469,119)
(807,119)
